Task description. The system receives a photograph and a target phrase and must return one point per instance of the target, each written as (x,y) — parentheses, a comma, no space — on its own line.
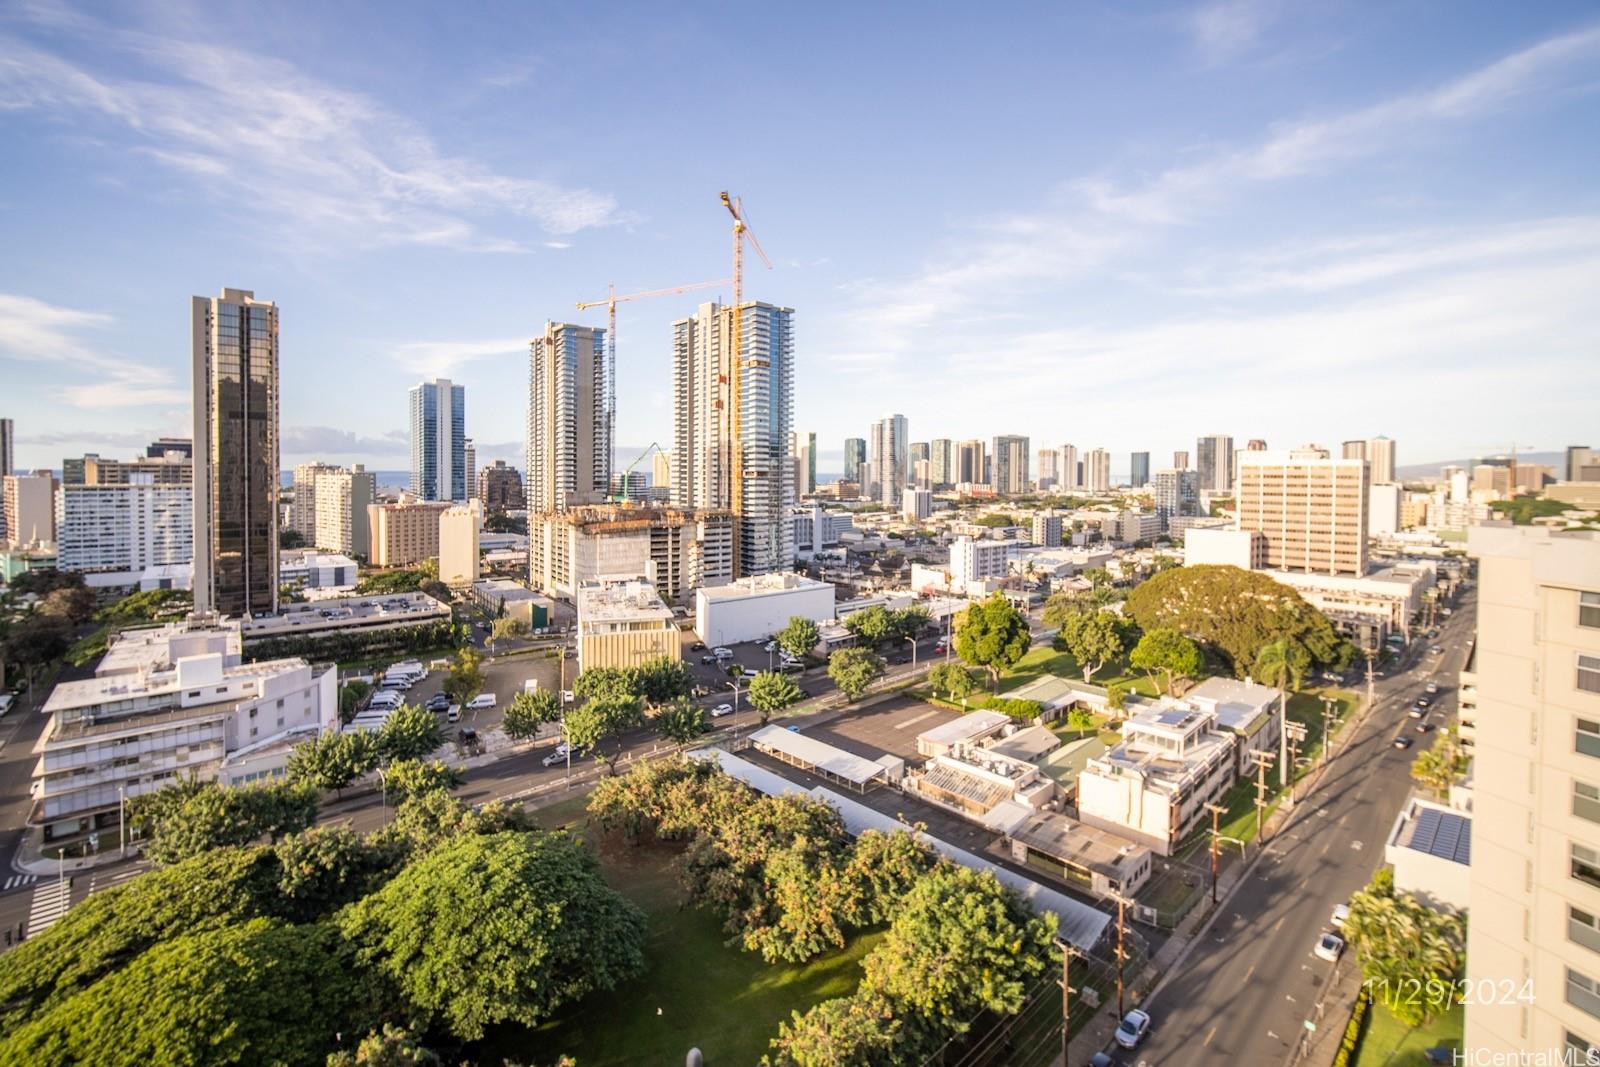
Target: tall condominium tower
(1069,468)
(803,453)
(942,462)
(855,455)
(970,462)
(1097,470)
(889,450)
(569,453)
(303,512)
(704,437)
(1010,464)
(1139,470)
(1534,864)
(1180,461)
(1311,510)
(469,453)
(1049,472)
(1177,494)
(439,441)
(8,456)
(1380,457)
(1214,461)
(235,338)
(1355,449)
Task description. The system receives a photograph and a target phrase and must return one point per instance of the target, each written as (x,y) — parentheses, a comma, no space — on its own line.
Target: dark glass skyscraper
(235,454)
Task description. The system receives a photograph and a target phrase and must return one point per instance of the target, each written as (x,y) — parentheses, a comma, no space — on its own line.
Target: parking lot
(891,726)
(503,678)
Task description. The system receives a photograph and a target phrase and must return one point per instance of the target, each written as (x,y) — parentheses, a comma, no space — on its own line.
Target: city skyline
(1190,228)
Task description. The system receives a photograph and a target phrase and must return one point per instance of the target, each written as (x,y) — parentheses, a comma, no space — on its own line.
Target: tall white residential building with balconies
(1534,914)
(121,529)
(888,449)
(342,499)
(704,437)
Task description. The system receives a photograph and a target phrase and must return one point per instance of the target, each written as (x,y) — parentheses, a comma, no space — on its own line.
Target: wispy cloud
(338,163)
(443,358)
(331,441)
(36,332)
(1226,29)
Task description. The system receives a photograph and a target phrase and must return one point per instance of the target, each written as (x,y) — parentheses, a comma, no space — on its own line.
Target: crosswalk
(50,902)
(17,881)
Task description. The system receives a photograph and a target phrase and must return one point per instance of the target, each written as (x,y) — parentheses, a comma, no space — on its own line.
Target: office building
(1355,449)
(170,468)
(459,527)
(1180,461)
(500,488)
(1535,851)
(1177,494)
(1312,510)
(855,455)
(627,485)
(756,607)
(1380,459)
(342,500)
(1384,510)
(704,437)
(1139,470)
(1010,463)
(970,463)
(8,454)
(803,451)
(916,504)
(28,503)
(405,533)
(1583,464)
(469,452)
(674,549)
(118,530)
(888,449)
(623,625)
(1097,471)
(235,346)
(303,510)
(439,441)
(1214,462)
(1047,529)
(167,704)
(942,462)
(920,450)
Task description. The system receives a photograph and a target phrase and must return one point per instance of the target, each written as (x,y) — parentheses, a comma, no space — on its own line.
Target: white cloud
(443,358)
(1225,29)
(261,131)
(33,331)
(331,441)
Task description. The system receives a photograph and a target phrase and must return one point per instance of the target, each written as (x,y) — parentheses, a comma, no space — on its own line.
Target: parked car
(707,659)
(1424,727)
(1431,687)
(1436,649)
(555,755)
(698,646)
(770,646)
(1402,742)
(1102,1059)
(453,714)
(482,700)
(1423,702)
(1329,945)
(437,702)
(1340,914)
(1132,1029)
(567,696)
(1416,712)
(720,710)
(722,653)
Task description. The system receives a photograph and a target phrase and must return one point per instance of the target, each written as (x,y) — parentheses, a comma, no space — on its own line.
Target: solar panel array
(1443,834)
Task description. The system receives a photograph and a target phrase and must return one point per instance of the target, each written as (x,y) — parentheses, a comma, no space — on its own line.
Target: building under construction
(676,549)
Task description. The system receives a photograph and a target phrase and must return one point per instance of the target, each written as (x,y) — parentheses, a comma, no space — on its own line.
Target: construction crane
(619,495)
(741,233)
(611,301)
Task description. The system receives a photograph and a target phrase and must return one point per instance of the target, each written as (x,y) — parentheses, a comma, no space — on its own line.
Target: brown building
(1311,510)
(404,533)
(676,549)
(500,488)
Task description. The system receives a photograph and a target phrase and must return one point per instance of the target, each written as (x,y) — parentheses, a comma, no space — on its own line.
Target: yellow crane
(737,362)
(611,302)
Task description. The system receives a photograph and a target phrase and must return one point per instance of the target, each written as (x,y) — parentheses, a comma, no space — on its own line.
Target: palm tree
(1283,663)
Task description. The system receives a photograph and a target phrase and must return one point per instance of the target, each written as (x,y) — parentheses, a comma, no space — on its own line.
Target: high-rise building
(170,468)
(970,463)
(569,440)
(1180,461)
(942,462)
(1177,494)
(1256,444)
(704,437)
(661,470)
(1214,461)
(1579,458)
(803,452)
(675,549)
(921,475)
(1139,470)
(235,345)
(124,527)
(303,512)
(889,449)
(500,488)
(1010,461)
(1048,475)
(1071,476)
(405,533)
(1311,510)
(1534,865)
(1380,455)
(458,544)
(916,504)
(8,455)
(1097,470)
(1355,449)
(439,441)
(920,450)
(855,454)
(342,500)
(469,452)
(163,447)
(28,504)
(1047,529)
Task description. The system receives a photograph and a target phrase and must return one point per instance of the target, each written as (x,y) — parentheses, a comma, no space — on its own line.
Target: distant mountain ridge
(1557,460)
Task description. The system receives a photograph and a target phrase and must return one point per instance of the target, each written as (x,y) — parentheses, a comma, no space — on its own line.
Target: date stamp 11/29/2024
(1438,994)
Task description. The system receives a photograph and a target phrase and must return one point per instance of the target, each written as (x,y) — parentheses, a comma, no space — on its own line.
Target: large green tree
(599,726)
(992,634)
(661,680)
(1399,940)
(951,679)
(326,867)
(334,759)
(800,636)
(258,993)
(1092,639)
(529,711)
(497,928)
(1235,611)
(465,677)
(856,1031)
(410,732)
(872,625)
(681,721)
(1283,663)
(770,692)
(605,683)
(853,670)
(407,778)
(187,819)
(1166,652)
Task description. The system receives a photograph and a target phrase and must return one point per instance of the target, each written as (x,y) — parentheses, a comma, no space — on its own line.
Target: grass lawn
(1046,660)
(694,992)
(1389,1042)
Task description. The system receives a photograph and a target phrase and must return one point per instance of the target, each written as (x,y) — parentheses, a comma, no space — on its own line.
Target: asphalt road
(1245,990)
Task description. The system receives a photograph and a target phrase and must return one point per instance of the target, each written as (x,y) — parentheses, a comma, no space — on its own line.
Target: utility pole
(1066,999)
(1216,811)
(1371,655)
(1296,734)
(1263,761)
(1122,959)
(1327,733)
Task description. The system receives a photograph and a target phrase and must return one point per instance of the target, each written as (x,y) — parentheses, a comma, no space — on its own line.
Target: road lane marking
(1250,972)
(914,721)
(50,902)
(1209,1036)
(17,881)
(1277,924)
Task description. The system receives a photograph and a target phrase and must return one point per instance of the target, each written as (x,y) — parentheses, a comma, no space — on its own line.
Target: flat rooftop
(504,587)
(339,612)
(808,751)
(1438,832)
(629,602)
(763,585)
(1080,845)
(1028,745)
(970,725)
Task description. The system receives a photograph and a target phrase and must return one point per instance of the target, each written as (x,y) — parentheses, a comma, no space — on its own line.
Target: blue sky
(1106,224)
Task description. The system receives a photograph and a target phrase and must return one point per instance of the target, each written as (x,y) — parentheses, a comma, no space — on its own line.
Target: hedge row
(1352,1030)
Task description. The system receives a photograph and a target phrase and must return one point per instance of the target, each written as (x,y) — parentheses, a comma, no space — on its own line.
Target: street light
(122,818)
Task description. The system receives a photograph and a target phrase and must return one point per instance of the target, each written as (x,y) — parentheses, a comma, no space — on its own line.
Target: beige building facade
(676,549)
(406,533)
(1534,914)
(1311,509)
(458,544)
(341,503)
(623,625)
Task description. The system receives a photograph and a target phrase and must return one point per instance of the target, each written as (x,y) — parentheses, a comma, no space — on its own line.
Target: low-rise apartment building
(404,534)
(759,606)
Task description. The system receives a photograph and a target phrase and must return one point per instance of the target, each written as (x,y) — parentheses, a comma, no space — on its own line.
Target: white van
(454,714)
(482,700)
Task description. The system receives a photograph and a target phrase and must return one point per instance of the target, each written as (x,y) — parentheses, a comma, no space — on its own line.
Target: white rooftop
(623,602)
(1237,703)
(854,769)
(762,585)
(965,728)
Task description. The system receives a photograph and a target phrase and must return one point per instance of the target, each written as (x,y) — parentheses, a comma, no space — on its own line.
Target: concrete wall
(724,621)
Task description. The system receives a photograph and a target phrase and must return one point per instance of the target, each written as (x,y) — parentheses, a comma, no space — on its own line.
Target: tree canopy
(530,710)
(772,691)
(1400,940)
(189,818)
(992,634)
(951,679)
(1166,652)
(410,732)
(1093,640)
(465,677)
(853,670)
(1235,611)
(681,721)
(799,636)
(601,723)
(333,760)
